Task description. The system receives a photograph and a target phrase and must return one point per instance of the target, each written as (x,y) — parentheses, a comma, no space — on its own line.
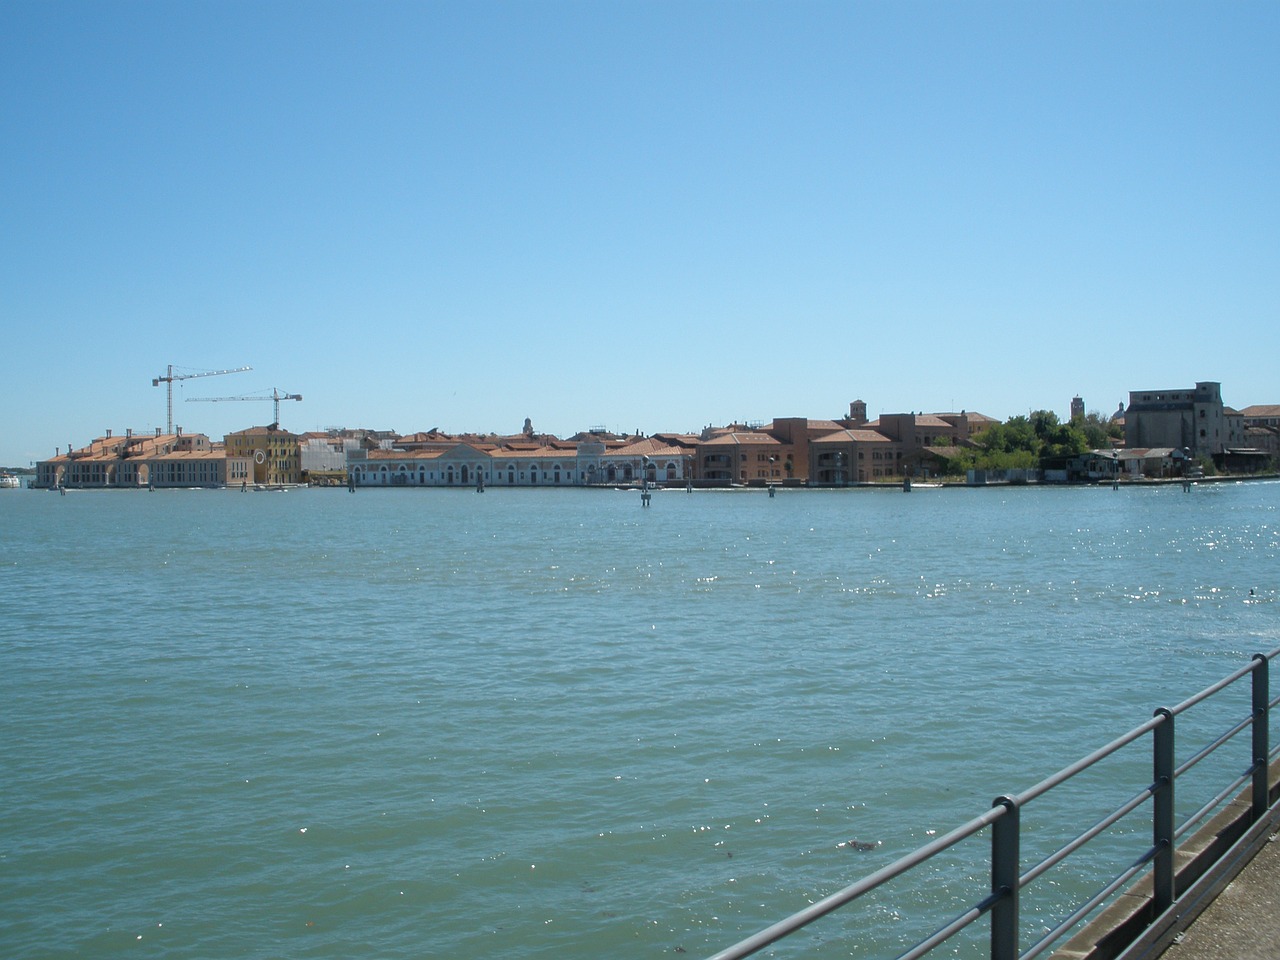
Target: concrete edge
(1205,863)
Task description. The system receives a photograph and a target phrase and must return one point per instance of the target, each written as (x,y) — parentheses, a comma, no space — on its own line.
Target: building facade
(136,460)
(1193,420)
(272,456)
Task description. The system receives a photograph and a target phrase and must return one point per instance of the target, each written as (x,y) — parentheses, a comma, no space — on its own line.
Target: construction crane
(275,396)
(168,378)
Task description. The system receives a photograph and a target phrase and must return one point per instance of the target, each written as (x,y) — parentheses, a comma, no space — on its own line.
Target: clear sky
(649,216)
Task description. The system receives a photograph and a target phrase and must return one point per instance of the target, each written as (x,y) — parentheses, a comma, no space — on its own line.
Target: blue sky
(648,216)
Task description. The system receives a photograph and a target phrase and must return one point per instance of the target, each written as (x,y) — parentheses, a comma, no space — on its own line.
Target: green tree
(1024,443)
(1098,429)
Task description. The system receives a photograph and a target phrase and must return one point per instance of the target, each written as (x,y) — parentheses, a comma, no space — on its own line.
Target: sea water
(555,723)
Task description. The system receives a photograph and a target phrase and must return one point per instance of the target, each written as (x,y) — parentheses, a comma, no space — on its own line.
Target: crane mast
(168,378)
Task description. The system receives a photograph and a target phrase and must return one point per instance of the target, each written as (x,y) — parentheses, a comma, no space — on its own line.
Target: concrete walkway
(1243,922)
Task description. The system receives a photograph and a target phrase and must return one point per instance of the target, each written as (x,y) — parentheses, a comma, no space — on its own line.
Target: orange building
(143,460)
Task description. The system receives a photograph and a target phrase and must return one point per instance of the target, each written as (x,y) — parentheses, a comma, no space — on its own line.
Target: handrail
(850,893)
(1004,819)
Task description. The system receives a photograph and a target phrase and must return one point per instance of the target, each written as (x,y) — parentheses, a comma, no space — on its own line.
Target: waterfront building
(892,446)
(835,452)
(1262,429)
(1192,420)
(665,458)
(1261,415)
(326,452)
(854,455)
(739,456)
(537,464)
(271,455)
(1152,462)
(143,460)
(460,463)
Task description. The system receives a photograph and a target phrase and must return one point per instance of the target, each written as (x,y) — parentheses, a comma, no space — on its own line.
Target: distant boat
(9,482)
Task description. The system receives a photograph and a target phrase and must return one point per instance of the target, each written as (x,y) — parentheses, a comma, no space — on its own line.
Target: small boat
(9,482)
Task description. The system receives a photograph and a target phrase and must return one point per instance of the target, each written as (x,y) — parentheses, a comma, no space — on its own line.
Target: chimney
(157,431)
(108,433)
(179,429)
(128,433)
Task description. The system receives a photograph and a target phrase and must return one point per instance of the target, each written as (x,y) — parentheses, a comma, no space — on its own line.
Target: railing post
(1005,873)
(1261,741)
(1163,813)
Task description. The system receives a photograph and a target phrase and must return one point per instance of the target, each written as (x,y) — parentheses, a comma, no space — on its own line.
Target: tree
(1024,443)
(1098,429)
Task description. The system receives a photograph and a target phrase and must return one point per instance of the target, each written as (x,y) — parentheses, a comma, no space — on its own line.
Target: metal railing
(1007,880)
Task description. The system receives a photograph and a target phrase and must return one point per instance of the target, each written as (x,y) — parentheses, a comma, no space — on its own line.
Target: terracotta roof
(380,454)
(685,439)
(1262,410)
(650,447)
(973,416)
(537,453)
(854,434)
(261,432)
(136,447)
(192,455)
(737,439)
(810,424)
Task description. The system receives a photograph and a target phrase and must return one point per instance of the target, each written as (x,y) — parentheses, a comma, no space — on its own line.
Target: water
(550,723)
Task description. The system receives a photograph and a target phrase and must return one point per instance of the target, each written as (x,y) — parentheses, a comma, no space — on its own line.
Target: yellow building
(274,455)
